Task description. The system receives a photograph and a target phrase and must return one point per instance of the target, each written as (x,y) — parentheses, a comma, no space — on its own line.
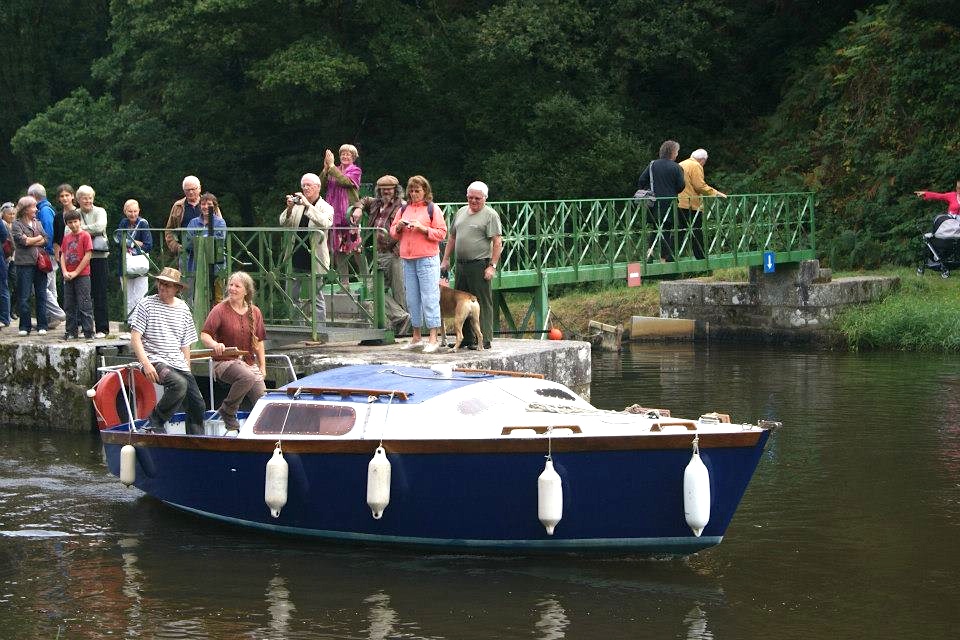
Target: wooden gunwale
(503,444)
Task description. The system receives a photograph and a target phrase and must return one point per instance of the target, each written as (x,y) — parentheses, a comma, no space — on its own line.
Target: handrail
(560,241)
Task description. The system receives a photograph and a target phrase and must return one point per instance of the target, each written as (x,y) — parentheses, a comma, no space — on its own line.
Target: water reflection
(696,621)
(381,616)
(553,620)
(852,507)
(279,606)
(132,585)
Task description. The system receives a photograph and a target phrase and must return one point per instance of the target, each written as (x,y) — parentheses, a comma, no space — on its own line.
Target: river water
(848,530)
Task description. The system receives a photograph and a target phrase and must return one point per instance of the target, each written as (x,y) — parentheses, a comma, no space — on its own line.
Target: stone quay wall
(797,303)
(43,381)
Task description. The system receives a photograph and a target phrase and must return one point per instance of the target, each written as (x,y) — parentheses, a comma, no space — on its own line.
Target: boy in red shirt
(75,253)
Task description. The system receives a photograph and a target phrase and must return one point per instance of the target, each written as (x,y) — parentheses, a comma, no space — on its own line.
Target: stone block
(681,293)
(648,328)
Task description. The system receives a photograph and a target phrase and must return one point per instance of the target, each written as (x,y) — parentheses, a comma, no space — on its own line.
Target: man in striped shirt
(161,333)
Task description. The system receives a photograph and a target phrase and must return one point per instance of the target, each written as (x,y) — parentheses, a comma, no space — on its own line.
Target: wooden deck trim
(345,392)
(496,445)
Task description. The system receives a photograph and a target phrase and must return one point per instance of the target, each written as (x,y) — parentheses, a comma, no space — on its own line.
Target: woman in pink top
(952,198)
(420,227)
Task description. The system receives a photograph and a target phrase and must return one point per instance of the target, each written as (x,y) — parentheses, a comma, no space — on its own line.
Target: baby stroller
(941,246)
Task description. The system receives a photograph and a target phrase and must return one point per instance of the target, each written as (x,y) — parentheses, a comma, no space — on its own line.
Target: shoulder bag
(137,264)
(100,243)
(44,263)
(646,196)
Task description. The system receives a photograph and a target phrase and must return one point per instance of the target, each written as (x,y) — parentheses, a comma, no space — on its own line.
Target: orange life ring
(111,408)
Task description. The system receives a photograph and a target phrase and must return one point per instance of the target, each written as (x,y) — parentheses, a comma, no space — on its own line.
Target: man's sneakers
(230,422)
(155,425)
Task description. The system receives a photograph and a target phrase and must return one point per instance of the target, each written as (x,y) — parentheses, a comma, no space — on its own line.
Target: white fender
(378,483)
(128,464)
(696,493)
(549,497)
(275,485)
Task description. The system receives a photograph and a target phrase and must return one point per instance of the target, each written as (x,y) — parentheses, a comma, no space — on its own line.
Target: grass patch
(924,315)
(573,308)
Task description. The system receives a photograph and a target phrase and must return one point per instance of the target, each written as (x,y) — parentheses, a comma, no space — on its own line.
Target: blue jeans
(421,278)
(4,293)
(179,386)
(30,278)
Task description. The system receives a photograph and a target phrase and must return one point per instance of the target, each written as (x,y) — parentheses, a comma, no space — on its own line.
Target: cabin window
(305,419)
(550,392)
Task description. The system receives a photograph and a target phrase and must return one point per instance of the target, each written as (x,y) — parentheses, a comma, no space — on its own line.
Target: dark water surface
(850,529)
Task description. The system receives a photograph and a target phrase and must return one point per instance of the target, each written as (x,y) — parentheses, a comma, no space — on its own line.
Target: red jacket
(952,198)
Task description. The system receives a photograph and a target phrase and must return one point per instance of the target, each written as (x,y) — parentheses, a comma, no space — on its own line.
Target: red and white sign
(634,274)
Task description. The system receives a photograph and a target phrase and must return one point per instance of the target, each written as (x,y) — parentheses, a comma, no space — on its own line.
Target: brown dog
(460,305)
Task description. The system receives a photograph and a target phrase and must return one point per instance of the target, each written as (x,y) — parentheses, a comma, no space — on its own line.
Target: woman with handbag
(30,241)
(665,178)
(134,233)
(94,221)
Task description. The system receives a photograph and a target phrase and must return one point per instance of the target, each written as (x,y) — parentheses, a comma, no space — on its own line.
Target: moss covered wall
(44,385)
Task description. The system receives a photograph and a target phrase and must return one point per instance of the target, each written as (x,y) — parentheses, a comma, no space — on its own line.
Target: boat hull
(619,494)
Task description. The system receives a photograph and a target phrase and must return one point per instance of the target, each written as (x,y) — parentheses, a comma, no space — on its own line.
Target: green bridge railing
(547,242)
(551,242)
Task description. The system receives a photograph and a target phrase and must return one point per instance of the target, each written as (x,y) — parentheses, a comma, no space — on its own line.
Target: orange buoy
(555,334)
(110,404)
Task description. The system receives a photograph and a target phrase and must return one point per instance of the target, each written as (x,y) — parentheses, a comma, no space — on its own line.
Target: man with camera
(312,216)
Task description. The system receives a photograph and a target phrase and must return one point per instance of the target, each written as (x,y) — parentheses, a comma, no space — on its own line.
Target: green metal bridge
(547,242)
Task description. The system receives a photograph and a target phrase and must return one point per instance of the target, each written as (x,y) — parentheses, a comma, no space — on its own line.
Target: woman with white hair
(342,189)
(93,220)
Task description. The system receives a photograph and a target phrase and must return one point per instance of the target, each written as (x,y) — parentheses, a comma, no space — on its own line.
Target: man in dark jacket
(664,177)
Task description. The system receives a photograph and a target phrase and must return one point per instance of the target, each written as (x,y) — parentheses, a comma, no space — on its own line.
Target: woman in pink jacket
(952,198)
(420,228)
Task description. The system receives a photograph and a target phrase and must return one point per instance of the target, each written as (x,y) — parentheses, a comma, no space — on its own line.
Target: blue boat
(435,457)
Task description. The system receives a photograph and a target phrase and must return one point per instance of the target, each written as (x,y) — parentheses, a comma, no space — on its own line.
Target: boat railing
(202,355)
(128,388)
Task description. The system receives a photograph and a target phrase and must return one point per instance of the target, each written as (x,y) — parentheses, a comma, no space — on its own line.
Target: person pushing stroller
(943,240)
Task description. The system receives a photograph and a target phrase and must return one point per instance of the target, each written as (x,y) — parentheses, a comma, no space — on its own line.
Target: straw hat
(171,275)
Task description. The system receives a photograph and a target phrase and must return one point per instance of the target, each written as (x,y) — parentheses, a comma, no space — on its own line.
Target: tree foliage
(540,98)
(872,120)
